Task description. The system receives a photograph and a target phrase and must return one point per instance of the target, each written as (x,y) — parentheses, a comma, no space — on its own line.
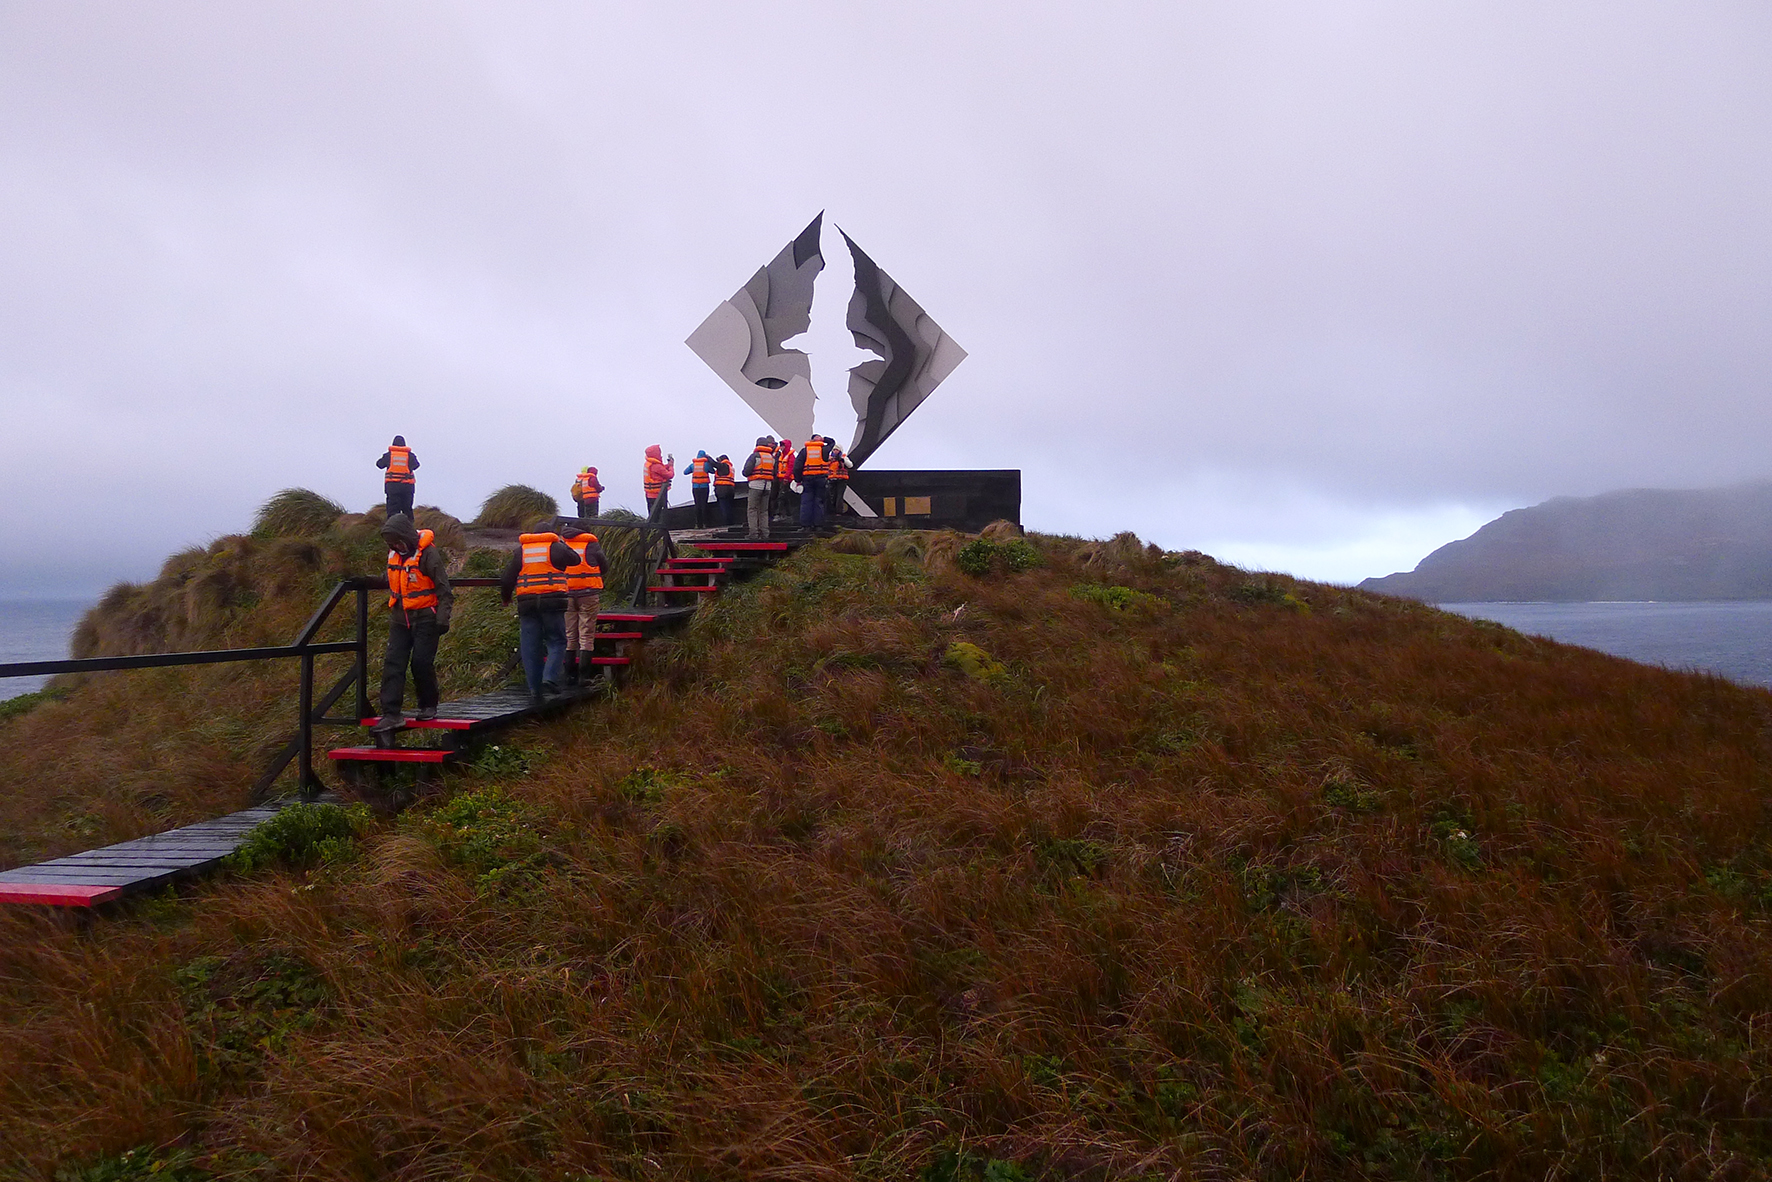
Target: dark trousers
(724,496)
(837,487)
(778,498)
(652,502)
(812,494)
(399,496)
(541,641)
(588,507)
(700,493)
(411,636)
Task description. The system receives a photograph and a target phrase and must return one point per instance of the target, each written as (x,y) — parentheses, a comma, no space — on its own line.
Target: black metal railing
(655,547)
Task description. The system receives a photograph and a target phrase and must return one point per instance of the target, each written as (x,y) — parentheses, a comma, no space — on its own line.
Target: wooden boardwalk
(130,867)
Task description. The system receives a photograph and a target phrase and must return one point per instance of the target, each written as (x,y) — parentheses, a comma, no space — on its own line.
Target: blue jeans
(812,495)
(541,639)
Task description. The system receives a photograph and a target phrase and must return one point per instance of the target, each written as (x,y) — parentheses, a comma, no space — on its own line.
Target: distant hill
(1640,543)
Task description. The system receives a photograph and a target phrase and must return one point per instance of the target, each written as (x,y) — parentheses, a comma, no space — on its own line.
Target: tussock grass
(516,506)
(1196,885)
(296,513)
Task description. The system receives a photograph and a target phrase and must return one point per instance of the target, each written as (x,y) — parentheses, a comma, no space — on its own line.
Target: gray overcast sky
(1310,286)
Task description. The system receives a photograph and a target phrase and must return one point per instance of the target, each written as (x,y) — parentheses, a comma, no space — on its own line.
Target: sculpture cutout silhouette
(741,340)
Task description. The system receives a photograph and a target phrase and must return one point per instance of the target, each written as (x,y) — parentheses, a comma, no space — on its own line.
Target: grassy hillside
(1123,865)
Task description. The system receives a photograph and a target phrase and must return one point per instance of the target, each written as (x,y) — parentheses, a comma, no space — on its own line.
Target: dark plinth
(968,500)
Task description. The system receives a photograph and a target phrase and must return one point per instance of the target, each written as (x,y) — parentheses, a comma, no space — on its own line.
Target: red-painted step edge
(391,754)
(431,724)
(742,546)
(610,660)
(621,636)
(702,587)
(57,894)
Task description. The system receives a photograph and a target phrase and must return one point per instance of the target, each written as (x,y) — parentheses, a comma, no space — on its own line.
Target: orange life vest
(700,465)
(723,474)
(657,476)
(784,462)
(399,465)
(537,576)
(588,486)
(839,470)
(765,465)
(409,588)
(582,576)
(816,464)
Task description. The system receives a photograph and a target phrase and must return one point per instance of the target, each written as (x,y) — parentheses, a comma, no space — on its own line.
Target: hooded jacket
(657,472)
(411,459)
(402,537)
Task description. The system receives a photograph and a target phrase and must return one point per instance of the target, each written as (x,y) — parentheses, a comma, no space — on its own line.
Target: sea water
(1733,639)
(35,630)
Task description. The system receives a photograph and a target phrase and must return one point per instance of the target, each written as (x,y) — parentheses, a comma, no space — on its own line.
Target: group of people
(773,466)
(555,579)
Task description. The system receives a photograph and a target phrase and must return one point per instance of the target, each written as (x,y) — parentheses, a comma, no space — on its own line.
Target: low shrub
(296,513)
(243,1007)
(146,1163)
(449,531)
(974,662)
(302,835)
(494,837)
(980,556)
(1114,597)
(516,506)
(20,704)
(975,557)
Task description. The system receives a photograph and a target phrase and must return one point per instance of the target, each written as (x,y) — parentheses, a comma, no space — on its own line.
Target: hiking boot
(426,714)
(389,722)
(549,690)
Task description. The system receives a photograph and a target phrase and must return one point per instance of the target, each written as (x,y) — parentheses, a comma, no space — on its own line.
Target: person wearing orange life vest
(839,473)
(703,468)
(587,492)
(584,596)
(419,605)
(723,487)
(657,477)
(759,474)
(784,475)
(535,576)
(811,468)
(398,484)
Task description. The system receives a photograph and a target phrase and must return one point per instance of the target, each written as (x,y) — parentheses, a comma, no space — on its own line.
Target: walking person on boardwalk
(535,576)
(657,477)
(703,468)
(759,472)
(784,475)
(811,468)
(419,605)
(838,478)
(587,492)
(399,483)
(723,487)
(584,597)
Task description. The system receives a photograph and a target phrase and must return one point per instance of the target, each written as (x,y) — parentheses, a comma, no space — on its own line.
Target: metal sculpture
(917,355)
(741,340)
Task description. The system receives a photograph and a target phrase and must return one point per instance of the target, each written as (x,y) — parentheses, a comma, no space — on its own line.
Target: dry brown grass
(1244,878)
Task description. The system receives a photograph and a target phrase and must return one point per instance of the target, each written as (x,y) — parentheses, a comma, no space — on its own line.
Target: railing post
(308,783)
(362,653)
